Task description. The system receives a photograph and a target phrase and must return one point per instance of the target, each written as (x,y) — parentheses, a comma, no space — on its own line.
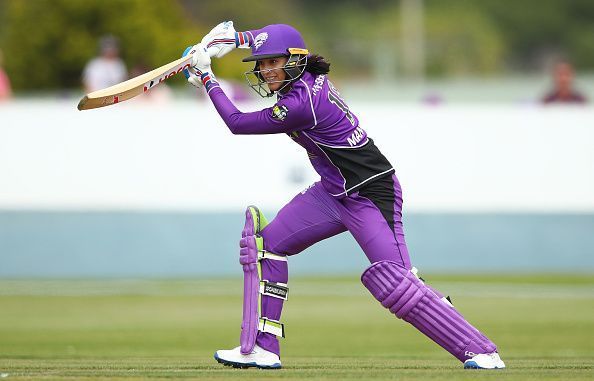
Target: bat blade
(134,86)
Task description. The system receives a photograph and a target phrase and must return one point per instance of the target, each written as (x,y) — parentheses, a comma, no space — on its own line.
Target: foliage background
(46,43)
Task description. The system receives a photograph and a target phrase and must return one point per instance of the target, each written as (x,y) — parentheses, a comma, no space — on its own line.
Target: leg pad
(406,296)
(251,252)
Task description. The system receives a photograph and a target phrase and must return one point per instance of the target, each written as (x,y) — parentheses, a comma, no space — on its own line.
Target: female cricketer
(358,191)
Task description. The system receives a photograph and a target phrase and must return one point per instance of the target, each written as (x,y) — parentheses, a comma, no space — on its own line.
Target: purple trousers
(372,215)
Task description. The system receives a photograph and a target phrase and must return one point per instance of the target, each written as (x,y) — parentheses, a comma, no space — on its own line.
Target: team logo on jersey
(260,40)
(280,112)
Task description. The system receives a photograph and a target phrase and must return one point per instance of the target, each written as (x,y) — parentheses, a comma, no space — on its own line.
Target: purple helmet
(277,40)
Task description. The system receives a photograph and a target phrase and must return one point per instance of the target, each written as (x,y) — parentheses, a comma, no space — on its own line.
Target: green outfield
(169,329)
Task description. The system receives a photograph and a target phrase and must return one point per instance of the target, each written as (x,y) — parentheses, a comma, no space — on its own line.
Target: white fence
(180,156)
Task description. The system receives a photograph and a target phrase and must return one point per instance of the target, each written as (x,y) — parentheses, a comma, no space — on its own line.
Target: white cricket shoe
(485,361)
(259,358)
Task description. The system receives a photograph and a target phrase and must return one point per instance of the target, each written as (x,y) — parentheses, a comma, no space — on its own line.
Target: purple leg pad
(248,257)
(400,291)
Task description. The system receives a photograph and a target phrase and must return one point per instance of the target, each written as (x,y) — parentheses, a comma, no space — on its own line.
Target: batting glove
(200,71)
(220,40)
(223,38)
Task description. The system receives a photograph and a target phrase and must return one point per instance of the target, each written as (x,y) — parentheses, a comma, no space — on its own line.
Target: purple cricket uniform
(358,190)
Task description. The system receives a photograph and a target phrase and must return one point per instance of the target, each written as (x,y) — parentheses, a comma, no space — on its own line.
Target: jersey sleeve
(290,113)
(245,39)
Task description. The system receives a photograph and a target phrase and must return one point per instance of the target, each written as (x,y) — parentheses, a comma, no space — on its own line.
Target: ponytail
(317,64)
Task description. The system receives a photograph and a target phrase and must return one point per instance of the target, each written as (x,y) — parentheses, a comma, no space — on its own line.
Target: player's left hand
(220,40)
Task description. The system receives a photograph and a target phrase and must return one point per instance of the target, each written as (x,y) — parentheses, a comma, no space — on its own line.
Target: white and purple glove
(200,74)
(223,38)
(220,40)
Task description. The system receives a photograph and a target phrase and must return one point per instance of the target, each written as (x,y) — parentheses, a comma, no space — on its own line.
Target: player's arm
(286,115)
(289,114)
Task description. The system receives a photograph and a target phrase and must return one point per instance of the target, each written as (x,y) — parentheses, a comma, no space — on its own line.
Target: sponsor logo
(356,137)
(276,290)
(469,354)
(318,84)
(260,40)
(149,85)
(280,112)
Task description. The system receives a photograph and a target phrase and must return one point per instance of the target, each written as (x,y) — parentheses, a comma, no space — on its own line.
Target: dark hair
(317,64)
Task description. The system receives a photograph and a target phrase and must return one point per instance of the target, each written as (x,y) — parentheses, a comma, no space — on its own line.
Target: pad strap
(271,326)
(263,254)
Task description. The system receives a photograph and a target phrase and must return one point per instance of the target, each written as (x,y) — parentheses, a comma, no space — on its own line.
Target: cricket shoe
(259,358)
(485,361)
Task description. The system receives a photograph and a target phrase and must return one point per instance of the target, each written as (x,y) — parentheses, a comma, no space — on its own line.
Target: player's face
(272,71)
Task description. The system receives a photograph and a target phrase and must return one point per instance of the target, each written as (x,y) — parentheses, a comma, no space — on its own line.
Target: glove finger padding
(199,74)
(220,40)
(200,58)
(196,81)
(194,77)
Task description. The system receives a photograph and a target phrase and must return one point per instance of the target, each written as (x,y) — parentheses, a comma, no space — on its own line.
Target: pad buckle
(271,326)
(263,254)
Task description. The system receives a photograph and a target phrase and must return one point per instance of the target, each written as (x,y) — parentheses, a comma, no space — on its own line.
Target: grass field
(169,329)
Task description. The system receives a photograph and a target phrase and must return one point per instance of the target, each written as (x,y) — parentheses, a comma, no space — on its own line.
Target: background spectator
(5,90)
(106,70)
(563,92)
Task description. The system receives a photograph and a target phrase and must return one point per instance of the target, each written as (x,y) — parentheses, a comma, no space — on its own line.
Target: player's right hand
(200,64)
(220,40)
(200,58)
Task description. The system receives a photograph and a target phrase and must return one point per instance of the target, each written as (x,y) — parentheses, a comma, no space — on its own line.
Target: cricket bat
(133,87)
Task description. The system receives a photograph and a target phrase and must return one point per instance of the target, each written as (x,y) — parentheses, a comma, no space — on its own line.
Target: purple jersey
(314,115)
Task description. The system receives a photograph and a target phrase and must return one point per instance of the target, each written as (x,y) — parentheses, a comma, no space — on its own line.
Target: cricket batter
(358,191)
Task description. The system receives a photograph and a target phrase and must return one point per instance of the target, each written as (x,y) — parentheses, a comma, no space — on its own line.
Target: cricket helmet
(277,40)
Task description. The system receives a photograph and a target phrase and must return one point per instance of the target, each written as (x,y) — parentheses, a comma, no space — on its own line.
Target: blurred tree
(461,39)
(256,15)
(48,42)
(3,5)
(538,31)
(348,33)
